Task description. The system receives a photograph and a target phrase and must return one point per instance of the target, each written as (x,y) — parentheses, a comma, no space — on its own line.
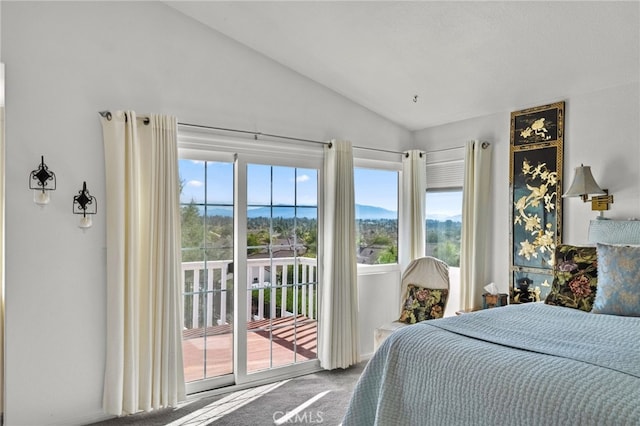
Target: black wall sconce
(85,204)
(42,180)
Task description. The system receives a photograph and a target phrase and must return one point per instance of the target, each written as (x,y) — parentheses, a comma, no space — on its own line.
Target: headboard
(614,231)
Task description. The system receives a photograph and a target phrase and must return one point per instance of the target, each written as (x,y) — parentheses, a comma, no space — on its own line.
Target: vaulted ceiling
(425,63)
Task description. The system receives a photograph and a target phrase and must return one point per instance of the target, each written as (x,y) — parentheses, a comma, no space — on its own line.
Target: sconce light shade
(583,184)
(42,180)
(85,204)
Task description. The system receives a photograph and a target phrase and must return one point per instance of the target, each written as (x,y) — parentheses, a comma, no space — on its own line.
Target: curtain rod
(445,149)
(484,145)
(256,134)
(107,115)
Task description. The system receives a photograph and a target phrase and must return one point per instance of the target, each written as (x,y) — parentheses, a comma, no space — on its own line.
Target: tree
(192,232)
(389,255)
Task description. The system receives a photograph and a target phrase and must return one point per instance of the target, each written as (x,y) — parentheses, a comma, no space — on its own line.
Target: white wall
(64,63)
(601,130)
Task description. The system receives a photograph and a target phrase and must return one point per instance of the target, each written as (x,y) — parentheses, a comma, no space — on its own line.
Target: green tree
(192,233)
(389,255)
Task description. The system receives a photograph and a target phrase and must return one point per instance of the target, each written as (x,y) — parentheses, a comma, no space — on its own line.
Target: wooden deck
(270,343)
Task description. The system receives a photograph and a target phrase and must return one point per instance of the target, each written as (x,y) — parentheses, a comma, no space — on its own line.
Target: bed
(566,363)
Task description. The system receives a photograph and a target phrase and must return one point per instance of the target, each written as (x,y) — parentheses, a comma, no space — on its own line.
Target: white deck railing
(206,305)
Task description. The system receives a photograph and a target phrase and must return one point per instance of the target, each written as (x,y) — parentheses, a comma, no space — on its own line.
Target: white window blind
(445,169)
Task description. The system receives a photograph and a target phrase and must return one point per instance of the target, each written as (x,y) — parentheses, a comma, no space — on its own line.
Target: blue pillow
(618,290)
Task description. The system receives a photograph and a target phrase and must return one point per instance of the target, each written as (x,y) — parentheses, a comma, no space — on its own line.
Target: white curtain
(144,369)
(414,187)
(476,212)
(338,330)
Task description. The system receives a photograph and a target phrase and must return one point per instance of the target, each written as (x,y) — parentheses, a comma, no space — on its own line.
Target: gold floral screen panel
(535,182)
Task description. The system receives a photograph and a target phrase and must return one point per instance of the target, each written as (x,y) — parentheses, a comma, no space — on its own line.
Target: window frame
(366,163)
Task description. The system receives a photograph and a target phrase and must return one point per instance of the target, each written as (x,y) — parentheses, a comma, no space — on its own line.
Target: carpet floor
(318,398)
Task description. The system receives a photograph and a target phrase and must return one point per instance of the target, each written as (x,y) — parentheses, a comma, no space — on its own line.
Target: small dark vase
(523,286)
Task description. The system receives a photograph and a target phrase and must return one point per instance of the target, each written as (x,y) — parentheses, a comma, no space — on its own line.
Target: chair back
(425,272)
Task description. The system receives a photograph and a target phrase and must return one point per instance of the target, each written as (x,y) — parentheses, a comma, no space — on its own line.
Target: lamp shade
(583,184)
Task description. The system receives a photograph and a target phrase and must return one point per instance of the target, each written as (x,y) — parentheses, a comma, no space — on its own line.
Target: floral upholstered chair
(424,292)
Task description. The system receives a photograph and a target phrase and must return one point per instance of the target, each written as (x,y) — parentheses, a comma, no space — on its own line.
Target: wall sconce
(584,185)
(85,204)
(42,180)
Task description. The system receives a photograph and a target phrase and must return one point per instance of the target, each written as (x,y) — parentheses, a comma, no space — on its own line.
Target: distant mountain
(213,211)
(284,212)
(444,218)
(373,213)
(362,212)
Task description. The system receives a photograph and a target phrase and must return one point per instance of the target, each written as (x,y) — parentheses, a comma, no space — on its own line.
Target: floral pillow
(422,304)
(575,277)
(618,281)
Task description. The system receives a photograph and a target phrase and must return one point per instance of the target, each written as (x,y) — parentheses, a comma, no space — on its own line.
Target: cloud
(195,183)
(302,178)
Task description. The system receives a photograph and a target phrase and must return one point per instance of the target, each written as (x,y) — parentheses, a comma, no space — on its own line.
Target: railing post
(296,290)
(261,292)
(209,298)
(184,290)
(311,276)
(223,295)
(285,288)
(249,294)
(304,288)
(315,290)
(272,299)
(195,305)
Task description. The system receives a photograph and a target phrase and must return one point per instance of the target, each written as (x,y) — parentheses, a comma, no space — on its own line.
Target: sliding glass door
(250,269)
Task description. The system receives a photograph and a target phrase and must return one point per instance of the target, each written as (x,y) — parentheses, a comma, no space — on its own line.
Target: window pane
(191,181)
(444,225)
(376,197)
(220,183)
(284,179)
(258,185)
(306,189)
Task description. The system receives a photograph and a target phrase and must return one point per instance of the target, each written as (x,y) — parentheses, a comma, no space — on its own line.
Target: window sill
(378,269)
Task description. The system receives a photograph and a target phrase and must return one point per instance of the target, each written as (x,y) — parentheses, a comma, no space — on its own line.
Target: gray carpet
(272,403)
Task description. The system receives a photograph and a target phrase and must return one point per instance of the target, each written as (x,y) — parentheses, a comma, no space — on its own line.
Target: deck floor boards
(218,346)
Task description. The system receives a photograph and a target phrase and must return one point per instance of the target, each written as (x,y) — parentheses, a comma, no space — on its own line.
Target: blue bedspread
(530,364)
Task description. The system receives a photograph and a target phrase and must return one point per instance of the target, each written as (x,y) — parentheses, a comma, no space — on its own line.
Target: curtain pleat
(476,211)
(414,187)
(338,331)
(144,369)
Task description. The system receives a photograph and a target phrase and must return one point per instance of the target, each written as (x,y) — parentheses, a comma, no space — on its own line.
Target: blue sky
(381,188)
(377,188)
(290,184)
(444,204)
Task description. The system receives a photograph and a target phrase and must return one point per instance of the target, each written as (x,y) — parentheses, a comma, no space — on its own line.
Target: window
(444,225)
(376,198)
(445,175)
